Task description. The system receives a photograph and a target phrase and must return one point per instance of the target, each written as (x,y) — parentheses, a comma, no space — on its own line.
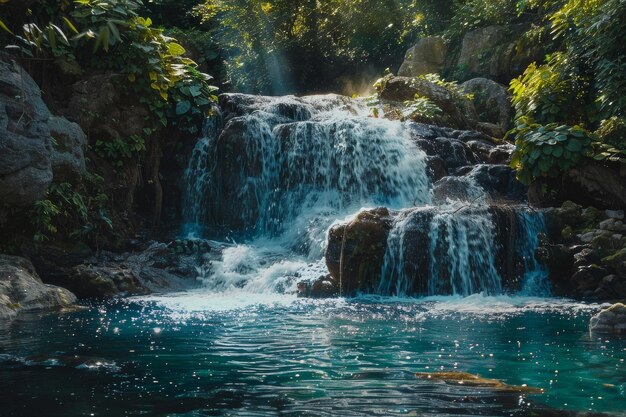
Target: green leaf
(574,145)
(182,107)
(70,25)
(4,27)
(175,49)
(535,153)
(557,151)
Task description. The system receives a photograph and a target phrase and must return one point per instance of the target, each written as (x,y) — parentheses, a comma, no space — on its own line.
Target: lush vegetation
(569,107)
(84,37)
(572,106)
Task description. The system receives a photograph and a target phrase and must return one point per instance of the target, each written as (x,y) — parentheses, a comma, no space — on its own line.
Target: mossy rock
(592,215)
(571,213)
(617,261)
(567,233)
(606,244)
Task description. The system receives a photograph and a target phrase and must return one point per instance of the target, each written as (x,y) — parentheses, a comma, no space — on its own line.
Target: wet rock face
(427,56)
(415,251)
(609,321)
(22,290)
(355,251)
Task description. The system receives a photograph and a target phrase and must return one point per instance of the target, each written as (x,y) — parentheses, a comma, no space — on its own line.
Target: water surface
(241,354)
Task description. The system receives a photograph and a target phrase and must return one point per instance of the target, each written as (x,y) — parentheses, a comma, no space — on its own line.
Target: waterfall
(298,167)
(197,177)
(535,280)
(275,173)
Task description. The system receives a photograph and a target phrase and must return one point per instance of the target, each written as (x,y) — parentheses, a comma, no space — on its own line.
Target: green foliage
(420,107)
(582,84)
(110,35)
(71,211)
(545,150)
(472,14)
(549,93)
(120,149)
(277,46)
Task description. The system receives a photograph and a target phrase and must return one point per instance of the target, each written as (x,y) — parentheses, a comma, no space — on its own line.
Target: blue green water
(199,354)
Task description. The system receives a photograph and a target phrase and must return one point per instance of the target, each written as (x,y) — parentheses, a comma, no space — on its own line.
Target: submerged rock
(22,290)
(465,378)
(611,320)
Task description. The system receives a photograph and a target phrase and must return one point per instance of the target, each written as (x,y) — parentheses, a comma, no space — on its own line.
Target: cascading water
(283,170)
(535,280)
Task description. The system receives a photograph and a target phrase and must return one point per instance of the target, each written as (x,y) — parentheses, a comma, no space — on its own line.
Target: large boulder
(355,251)
(491,101)
(498,52)
(457,111)
(36,147)
(21,289)
(157,268)
(611,320)
(427,56)
(25,144)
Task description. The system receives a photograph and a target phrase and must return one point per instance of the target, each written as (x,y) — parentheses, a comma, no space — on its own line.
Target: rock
(477,43)
(452,152)
(55,259)
(617,261)
(323,287)
(68,144)
(158,268)
(427,56)
(25,145)
(355,251)
(457,111)
(607,224)
(614,214)
(587,279)
(364,257)
(498,181)
(498,52)
(21,289)
(600,184)
(491,101)
(35,146)
(95,281)
(571,213)
(587,237)
(560,262)
(436,168)
(611,287)
(501,154)
(611,320)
